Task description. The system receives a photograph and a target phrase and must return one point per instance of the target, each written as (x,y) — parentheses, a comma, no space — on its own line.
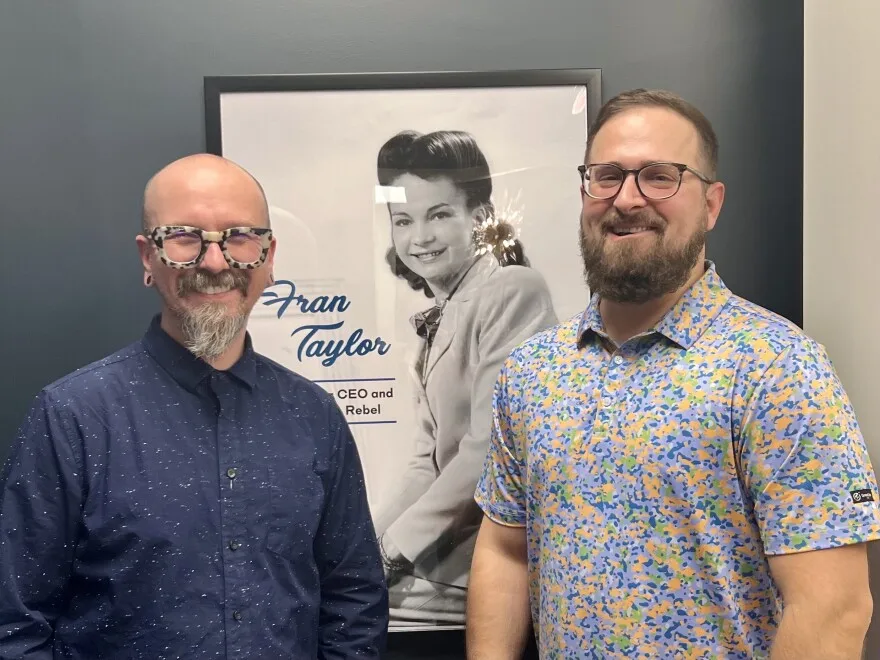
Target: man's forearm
(498,615)
(816,632)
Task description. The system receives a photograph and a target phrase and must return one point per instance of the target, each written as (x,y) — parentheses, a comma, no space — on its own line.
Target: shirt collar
(688,319)
(186,368)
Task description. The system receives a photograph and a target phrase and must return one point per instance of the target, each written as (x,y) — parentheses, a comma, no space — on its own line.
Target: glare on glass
(185,247)
(654,180)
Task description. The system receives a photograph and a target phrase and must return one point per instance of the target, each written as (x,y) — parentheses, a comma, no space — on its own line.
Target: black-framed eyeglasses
(654,180)
(181,246)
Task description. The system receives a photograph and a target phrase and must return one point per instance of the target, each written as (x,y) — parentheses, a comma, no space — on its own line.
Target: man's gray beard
(209,329)
(627,278)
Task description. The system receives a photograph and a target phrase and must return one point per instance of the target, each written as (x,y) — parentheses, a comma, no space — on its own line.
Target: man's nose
(629,197)
(214,260)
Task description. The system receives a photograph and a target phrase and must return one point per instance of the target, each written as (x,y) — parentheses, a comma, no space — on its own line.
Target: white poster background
(315,153)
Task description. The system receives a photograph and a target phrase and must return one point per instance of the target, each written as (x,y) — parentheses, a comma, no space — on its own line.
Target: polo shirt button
(236,615)
(234,545)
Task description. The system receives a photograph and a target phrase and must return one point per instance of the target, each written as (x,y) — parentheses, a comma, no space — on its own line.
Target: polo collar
(688,319)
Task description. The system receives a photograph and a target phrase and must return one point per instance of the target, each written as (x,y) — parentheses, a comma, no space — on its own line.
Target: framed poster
(427,223)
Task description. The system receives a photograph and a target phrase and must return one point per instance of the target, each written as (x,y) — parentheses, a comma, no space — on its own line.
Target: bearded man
(186,497)
(675,472)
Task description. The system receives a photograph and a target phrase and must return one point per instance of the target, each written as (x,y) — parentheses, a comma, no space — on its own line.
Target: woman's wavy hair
(453,155)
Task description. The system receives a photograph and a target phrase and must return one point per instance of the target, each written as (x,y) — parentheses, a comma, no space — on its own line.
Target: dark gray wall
(95,95)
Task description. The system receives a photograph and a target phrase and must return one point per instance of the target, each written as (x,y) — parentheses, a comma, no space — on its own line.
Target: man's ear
(145,249)
(714,202)
(270,258)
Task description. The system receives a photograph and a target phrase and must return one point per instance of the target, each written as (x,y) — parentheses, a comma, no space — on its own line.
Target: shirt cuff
(501,513)
(390,548)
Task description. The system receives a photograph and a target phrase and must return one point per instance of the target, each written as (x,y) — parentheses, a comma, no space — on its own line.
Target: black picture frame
(442,644)
(216,86)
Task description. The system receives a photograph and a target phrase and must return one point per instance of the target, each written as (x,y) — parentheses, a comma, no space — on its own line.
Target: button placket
(612,380)
(234,475)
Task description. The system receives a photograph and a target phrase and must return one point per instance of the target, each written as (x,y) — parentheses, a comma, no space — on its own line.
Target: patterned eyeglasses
(654,180)
(184,247)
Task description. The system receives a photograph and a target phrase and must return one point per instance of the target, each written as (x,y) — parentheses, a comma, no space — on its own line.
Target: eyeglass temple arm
(702,177)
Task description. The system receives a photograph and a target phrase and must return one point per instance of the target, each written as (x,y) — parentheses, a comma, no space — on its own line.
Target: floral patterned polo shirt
(654,481)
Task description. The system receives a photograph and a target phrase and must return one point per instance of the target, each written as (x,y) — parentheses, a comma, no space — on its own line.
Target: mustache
(615,221)
(201,280)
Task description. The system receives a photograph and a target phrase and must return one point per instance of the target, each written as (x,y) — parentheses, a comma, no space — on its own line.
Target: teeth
(211,290)
(427,255)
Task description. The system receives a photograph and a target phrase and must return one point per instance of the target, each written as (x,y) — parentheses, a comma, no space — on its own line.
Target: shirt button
(234,545)
(236,615)
(231,472)
(607,401)
(618,359)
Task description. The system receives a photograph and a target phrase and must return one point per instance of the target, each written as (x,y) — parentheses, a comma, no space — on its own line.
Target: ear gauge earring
(148,280)
(271,278)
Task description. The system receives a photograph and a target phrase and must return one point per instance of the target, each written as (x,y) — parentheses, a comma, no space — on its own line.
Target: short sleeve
(804,460)
(500,491)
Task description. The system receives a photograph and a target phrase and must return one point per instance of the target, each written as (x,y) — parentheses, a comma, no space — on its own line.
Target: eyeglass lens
(186,246)
(655,181)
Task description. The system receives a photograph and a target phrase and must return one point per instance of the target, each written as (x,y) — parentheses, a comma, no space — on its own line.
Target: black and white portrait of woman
(427,231)
(481,300)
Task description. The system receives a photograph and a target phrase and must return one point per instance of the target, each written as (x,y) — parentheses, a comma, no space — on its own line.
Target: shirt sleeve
(501,491)
(40,498)
(804,460)
(354,600)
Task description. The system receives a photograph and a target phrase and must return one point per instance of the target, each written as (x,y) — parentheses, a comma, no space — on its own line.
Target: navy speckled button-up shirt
(154,507)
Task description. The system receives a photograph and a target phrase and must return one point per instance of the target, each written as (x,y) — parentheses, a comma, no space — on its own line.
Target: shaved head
(195,174)
(205,304)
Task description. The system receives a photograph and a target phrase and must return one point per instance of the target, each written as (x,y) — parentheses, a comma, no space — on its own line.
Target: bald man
(186,497)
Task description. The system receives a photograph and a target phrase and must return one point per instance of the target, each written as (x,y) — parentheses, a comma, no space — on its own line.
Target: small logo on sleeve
(863,495)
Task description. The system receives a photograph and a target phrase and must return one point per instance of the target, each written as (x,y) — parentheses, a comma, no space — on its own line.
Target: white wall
(842,209)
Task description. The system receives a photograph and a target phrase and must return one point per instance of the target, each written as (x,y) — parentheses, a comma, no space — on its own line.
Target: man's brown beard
(629,278)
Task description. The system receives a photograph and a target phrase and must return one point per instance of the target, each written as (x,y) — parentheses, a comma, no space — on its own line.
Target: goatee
(630,274)
(209,329)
